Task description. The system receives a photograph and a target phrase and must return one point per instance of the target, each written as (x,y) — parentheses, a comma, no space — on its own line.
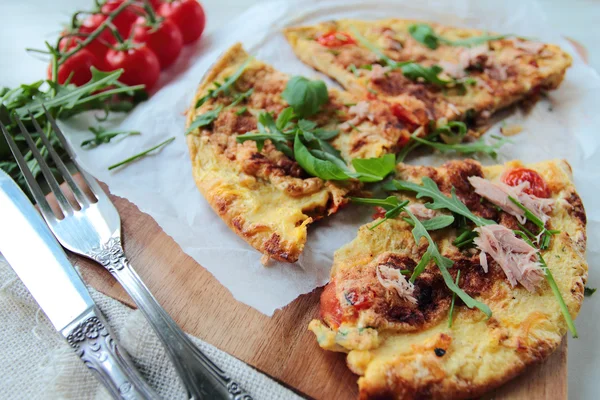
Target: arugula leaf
(374,169)
(419,232)
(142,154)
(241,111)
(101,136)
(453,132)
(451,312)
(465,239)
(239,97)
(545,234)
(226,86)
(439,200)
(391,204)
(555,290)
(324,169)
(305,96)
(424,34)
(479,146)
(204,119)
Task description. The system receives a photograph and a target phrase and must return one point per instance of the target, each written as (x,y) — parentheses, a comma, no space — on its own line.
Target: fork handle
(202,378)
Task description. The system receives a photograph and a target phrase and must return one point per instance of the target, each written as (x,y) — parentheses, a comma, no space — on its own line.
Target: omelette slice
(260,191)
(432,71)
(413,339)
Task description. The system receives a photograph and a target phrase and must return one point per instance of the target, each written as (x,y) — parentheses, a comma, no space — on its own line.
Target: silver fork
(94,231)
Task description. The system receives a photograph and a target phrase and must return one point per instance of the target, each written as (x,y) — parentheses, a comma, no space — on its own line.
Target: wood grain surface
(280,346)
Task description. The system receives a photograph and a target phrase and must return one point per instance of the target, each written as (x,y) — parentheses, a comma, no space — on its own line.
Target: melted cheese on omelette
(264,196)
(505,71)
(403,350)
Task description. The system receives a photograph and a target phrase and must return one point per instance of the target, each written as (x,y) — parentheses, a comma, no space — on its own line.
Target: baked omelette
(415,339)
(263,195)
(433,71)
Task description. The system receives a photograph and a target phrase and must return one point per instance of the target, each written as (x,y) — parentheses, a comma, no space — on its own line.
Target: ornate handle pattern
(89,335)
(202,378)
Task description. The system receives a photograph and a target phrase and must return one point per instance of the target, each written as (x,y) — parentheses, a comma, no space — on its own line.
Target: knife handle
(95,344)
(201,377)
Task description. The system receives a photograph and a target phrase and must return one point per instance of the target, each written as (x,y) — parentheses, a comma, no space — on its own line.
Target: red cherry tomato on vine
(156,4)
(335,39)
(79,65)
(188,15)
(537,184)
(140,65)
(98,46)
(331,311)
(165,41)
(125,19)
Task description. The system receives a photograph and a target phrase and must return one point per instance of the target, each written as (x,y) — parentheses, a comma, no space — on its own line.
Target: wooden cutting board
(280,346)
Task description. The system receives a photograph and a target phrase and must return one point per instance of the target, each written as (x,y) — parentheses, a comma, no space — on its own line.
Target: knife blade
(40,262)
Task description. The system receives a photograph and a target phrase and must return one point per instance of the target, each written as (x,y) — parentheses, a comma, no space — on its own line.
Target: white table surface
(26,23)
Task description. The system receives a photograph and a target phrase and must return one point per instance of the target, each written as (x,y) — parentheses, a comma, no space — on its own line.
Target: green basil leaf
(374,169)
(424,34)
(325,134)
(284,118)
(204,119)
(305,96)
(323,169)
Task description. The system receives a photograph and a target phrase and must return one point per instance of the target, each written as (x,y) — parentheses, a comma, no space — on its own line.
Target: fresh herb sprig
(545,235)
(439,200)
(443,263)
(451,312)
(102,136)
(479,146)
(410,69)
(103,92)
(391,204)
(555,290)
(141,154)
(424,34)
(226,86)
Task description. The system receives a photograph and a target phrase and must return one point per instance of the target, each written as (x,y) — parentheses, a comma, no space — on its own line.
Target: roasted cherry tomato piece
(140,65)
(335,39)
(537,184)
(404,115)
(79,65)
(379,213)
(331,311)
(165,40)
(189,17)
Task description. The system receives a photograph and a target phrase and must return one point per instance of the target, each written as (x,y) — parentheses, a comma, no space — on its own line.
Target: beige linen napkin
(38,364)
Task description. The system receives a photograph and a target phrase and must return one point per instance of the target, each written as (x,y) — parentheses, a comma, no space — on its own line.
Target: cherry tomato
(140,65)
(125,19)
(189,17)
(537,185)
(331,311)
(335,39)
(165,41)
(98,45)
(79,65)
(156,4)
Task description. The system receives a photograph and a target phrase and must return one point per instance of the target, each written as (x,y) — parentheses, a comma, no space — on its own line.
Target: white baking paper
(565,125)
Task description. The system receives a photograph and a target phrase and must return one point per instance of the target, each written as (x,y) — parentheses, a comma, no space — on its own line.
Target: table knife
(40,262)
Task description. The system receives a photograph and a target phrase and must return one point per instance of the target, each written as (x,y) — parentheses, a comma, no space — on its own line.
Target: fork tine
(33,186)
(79,195)
(90,181)
(60,197)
